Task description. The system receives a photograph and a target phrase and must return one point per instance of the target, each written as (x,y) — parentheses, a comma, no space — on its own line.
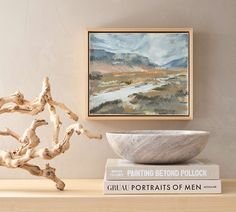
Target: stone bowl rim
(159,132)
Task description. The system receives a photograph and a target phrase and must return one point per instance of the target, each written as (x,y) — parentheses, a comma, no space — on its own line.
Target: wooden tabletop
(87,195)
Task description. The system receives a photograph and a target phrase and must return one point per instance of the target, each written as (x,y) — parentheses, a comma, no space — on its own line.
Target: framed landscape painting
(140,74)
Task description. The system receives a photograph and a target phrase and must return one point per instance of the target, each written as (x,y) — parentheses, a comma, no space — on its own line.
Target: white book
(199,169)
(163,187)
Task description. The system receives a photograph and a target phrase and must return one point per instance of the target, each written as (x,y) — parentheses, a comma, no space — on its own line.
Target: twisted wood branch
(20,157)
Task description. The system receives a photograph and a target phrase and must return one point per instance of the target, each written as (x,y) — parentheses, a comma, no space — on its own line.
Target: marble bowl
(158,146)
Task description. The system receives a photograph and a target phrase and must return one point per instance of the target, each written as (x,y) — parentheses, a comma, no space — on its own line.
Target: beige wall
(46,38)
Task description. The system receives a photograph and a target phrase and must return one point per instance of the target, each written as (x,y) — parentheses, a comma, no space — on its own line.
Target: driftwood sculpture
(20,157)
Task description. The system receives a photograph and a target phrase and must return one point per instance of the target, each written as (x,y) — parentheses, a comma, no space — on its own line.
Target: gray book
(162,187)
(120,169)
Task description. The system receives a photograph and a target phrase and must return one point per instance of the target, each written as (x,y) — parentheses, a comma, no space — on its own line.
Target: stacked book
(194,176)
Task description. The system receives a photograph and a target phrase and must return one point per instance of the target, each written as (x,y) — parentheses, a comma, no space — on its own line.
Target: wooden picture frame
(115,72)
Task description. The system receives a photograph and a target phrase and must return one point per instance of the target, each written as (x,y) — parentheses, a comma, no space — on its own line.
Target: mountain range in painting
(132,59)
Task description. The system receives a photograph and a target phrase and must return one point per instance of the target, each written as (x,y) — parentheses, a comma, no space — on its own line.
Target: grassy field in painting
(138,91)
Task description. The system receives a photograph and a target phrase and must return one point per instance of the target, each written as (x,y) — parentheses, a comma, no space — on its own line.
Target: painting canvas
(139,73)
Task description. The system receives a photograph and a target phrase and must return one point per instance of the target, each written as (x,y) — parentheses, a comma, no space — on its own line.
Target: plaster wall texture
(47,38)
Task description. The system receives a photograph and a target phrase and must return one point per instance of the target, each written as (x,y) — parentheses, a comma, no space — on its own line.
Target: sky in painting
(160,48)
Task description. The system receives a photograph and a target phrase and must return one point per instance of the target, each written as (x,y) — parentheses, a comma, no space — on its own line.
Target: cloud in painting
(160,48)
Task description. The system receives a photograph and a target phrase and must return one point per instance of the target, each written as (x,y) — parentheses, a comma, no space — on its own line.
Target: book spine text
(130,173)
(155,187)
